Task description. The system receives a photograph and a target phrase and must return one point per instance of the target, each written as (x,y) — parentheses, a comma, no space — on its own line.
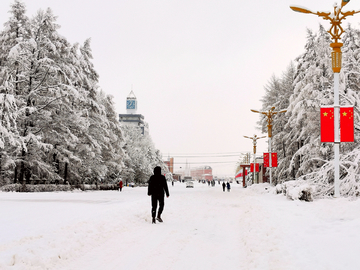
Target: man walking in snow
(157,189)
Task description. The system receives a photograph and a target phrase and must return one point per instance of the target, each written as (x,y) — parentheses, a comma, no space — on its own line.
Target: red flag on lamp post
(257,167)
(273,159)
(251,167)
(327,128)
(266,160)
(346,124)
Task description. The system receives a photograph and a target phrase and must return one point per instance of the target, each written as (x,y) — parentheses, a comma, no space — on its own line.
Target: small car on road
(189,184)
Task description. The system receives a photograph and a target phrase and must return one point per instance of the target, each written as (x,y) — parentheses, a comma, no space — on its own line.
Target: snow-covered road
(204,228)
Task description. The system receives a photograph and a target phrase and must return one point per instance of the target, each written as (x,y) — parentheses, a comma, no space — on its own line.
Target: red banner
(266,160)
(254,168)
(346,124)
(327,127)
(273,159)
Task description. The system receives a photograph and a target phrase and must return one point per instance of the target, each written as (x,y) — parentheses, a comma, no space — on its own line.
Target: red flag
(327,124)
(273,159)
(257,167)
(251,167)
(346,124)
(266,159)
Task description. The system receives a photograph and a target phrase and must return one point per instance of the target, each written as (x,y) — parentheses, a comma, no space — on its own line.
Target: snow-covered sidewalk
(204,228)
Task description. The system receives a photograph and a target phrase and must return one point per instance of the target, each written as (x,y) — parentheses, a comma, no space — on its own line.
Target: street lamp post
(269,114)
(254,139)
(335,31)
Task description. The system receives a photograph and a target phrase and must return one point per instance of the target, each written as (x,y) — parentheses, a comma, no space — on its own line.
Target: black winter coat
(157,184)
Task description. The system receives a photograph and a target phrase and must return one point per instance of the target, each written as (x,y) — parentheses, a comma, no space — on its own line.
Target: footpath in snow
(204,228)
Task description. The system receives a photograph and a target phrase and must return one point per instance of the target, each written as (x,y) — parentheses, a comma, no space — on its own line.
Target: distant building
(170,164)
(131,118)
(202,173)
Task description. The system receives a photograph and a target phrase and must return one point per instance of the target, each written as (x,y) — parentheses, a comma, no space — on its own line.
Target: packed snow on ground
(203,228)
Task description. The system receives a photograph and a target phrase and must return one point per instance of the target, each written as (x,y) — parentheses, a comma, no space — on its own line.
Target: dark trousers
(154,201)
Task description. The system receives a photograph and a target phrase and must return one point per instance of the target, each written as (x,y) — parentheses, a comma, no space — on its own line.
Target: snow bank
(35,188)
(261,188)
(296,190)
(53,187)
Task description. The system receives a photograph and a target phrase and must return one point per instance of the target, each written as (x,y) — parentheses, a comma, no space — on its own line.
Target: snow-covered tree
(53,114)
(141,156)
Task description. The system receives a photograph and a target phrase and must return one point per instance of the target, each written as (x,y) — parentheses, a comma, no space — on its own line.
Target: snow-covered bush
(296,190)
(108,187)
(35,188)
(279,188)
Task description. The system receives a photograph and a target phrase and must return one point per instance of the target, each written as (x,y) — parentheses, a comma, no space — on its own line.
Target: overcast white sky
(197,67)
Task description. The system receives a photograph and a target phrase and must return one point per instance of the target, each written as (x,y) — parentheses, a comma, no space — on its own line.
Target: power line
(216,153)
(206,162)
(222,156)
(207,155)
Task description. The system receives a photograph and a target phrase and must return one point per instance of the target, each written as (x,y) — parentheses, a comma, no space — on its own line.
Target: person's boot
(159,219)
(153,220)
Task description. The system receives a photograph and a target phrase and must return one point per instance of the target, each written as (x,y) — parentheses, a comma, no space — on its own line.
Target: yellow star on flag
(325,113)
(344,113)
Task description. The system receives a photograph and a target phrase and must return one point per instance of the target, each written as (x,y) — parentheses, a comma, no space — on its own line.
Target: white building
(131,118)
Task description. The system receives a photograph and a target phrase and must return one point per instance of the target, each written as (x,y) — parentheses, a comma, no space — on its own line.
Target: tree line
(56,124)
(305,86)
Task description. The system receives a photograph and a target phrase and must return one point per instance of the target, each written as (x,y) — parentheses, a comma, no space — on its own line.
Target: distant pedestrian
(228,186)
(157,189)
(120,185)
(223,185)
(172,182)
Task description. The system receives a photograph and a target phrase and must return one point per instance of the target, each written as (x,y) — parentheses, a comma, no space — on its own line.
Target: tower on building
(131,118)
(131,103)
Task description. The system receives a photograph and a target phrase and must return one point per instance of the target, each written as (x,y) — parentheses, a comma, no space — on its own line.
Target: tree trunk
(22,167)
(15,175)
(283,144)
(66,172)
(27,176)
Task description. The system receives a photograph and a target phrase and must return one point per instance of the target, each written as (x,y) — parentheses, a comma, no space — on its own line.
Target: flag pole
(270,164)
(337,137)
(336,56)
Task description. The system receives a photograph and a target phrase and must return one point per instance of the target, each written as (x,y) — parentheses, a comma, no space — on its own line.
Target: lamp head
(344,2)
(302,9)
